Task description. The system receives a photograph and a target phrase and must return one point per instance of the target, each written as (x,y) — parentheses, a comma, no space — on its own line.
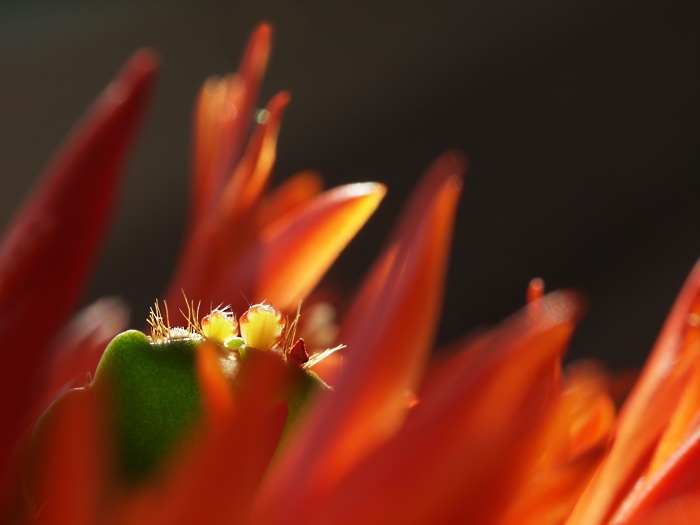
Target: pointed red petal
(252,70)
(251,175)
(386,352)
(459,439)
(297,251)
(287,261)
(288,196)
(646,412)
(222,120)
(445,166)
(672,494)
(548,497)
(220,240)
(572,440)
(216,389)
(215,110)
(52,243)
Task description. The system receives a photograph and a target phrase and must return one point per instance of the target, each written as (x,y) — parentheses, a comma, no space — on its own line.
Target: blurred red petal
(214,109)
(219,240)
(251,70)
(572,440)
(222,120)
(289,196)
(548,497)
(456,459)
(72,457)
(219,401)
(252,174)
(79,347)
(671,494)
(446,166)
(646,412)
(682,419)
(588,411)
(52,243)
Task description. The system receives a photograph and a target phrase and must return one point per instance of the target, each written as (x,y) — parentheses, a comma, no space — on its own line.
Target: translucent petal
(456,454)
(384,358)
(646,412)
(292,254)
(288,196)
(222,120)
(218,241)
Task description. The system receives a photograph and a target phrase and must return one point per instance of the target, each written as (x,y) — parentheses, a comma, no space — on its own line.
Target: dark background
(579,118)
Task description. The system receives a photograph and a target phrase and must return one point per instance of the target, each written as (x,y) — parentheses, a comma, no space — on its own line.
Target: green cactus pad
(154,395)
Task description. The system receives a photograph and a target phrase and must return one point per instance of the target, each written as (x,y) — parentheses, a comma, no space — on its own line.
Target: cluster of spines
(283,340)
(162,331)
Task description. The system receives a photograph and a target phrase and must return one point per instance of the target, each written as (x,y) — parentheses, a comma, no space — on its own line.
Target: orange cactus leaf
(63,222)
(251,176)
(459,439)
(572,440)
(445,166)
(682,419)
(217,239)
(294,253)
(222,119)
(548,496)
(215,108)
(289,258)
(385,356)
(218,400)
(251,71)
(292,193)
(670,495)
(646,413)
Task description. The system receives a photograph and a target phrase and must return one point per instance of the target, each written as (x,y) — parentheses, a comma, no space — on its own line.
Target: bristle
(320,356)
(162,332)
(290,337)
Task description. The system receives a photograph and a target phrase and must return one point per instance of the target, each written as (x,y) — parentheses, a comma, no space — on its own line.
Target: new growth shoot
(262,327)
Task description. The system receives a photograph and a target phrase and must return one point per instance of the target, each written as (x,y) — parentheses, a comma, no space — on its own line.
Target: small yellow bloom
(219,326)
(262,326)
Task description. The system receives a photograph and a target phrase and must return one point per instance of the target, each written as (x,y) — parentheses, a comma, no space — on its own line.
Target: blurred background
(579,117)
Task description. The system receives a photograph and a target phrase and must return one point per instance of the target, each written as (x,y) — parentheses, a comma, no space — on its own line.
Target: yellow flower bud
(262,326)
(219,326)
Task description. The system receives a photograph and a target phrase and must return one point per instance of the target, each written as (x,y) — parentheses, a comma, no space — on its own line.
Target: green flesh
(154,395)
(154,402)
